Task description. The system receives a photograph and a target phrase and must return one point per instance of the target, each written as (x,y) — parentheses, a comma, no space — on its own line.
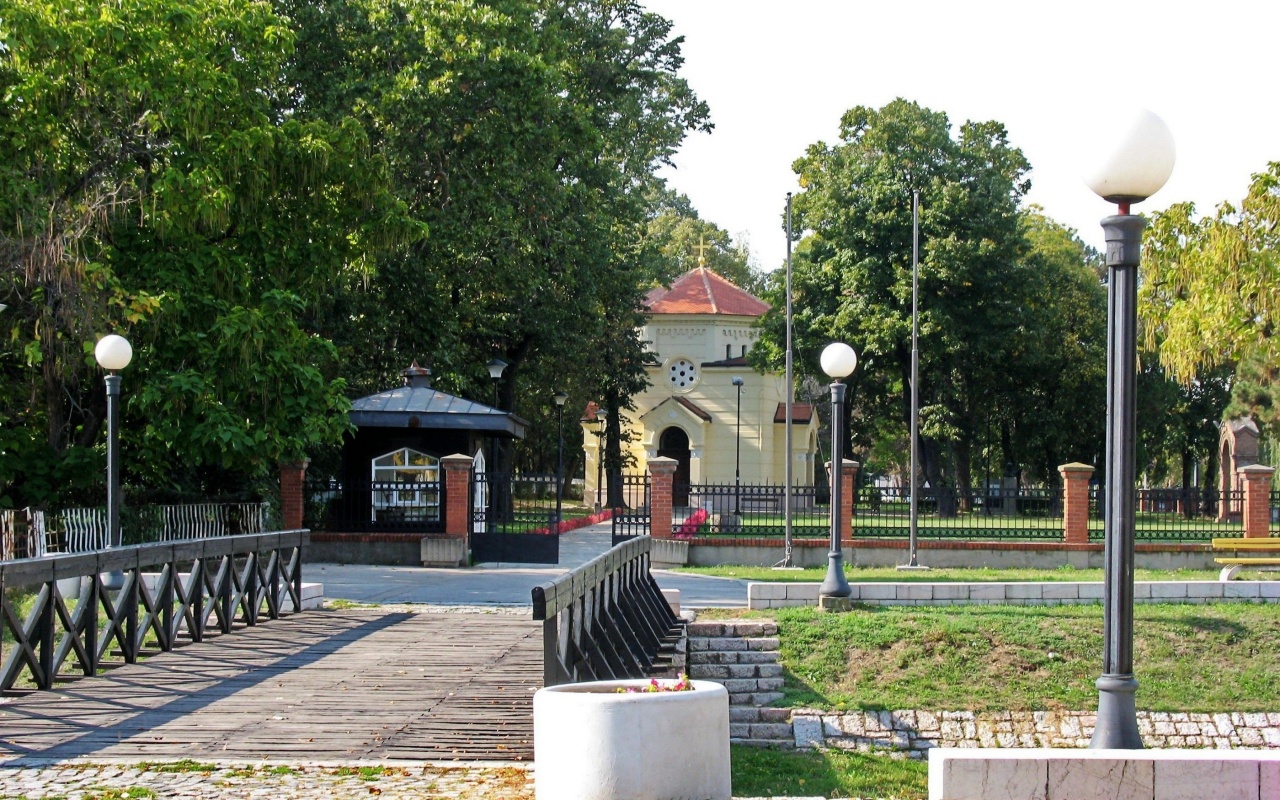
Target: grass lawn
(768,773)
(970,575)
(1200,658)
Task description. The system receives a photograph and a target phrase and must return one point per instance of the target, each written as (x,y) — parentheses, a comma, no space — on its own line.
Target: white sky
(779,74)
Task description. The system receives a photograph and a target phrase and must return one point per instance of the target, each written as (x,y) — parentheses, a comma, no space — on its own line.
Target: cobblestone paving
(228,781)
(190,781)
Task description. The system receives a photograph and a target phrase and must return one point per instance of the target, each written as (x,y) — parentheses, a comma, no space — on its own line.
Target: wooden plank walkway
(351,685)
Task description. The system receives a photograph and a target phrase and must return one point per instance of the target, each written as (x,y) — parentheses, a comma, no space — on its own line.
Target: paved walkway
(504,584)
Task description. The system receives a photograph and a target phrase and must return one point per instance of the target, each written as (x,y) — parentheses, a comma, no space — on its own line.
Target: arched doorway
(674,444)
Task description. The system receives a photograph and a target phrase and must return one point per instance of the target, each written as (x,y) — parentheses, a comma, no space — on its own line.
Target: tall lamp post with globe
(1133,170)
(838,361)
(113,353)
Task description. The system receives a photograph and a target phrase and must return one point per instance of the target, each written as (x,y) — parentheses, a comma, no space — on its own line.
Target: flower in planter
(682,684)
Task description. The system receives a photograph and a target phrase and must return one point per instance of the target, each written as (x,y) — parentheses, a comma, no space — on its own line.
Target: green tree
(686,240)
(526,134)
(852,276)
(155,184)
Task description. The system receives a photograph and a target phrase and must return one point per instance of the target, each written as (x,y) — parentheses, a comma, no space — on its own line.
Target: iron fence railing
(950,513)
(1175,514)
(381,506)
(629,499)
(733,509)
(513,504)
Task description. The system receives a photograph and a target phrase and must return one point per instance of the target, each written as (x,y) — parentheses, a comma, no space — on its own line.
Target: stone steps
(743,657)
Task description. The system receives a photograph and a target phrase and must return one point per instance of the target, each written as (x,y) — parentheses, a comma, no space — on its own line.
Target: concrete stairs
(743,656)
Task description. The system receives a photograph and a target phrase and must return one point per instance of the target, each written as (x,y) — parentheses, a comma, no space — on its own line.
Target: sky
(778,75)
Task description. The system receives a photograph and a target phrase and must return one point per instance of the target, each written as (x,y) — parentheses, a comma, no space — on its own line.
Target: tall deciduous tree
(526,134)
(853,275)
(1210,297)
(153,182)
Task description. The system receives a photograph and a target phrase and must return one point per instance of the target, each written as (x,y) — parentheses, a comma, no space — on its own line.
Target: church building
(705,407)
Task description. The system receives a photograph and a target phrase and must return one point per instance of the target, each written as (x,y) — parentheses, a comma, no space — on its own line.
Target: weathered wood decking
(326,685)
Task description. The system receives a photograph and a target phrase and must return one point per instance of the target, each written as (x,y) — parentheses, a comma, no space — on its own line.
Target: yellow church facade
(705,408)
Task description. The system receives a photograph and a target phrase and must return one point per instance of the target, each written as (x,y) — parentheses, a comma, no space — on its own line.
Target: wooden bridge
(325,685)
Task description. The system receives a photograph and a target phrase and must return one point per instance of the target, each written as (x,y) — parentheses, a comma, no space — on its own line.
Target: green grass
(185,765)
(1197,658)
(959,575)
(761,772)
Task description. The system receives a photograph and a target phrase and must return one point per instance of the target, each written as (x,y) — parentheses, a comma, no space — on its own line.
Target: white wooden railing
(31,533)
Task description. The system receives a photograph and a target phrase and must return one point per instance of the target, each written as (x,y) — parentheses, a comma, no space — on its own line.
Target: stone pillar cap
(847,463)
(1075,466)
(1256,469)
(456,459)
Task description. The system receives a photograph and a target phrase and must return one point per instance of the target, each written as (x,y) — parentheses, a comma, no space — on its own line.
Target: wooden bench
(1260,544)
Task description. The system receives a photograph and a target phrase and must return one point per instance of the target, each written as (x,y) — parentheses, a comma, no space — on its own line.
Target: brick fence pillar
(1257,499)
(662,473)
(293,478)
(848,480)
(1075,502)
(457,494)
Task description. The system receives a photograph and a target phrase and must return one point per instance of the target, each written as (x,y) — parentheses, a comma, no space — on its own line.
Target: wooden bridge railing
(605,620)
(190,581)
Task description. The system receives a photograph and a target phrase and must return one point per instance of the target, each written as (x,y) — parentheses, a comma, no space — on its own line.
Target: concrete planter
(593,743)
(444,552)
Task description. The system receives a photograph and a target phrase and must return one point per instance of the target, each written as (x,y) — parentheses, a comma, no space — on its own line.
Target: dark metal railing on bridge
(80,606)
(606,620)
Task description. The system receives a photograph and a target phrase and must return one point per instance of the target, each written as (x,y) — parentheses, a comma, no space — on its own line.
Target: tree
(1210,298)
(686,240)
(155,183)
(852,277)
(526,134)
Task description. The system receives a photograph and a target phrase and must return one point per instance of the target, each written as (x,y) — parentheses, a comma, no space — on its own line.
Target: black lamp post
(496,367)
(113,354)
(1131,173)
(838,361)
(737,458)
(560,398)
(600,418)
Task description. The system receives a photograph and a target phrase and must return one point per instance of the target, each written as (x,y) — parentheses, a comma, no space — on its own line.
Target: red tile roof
(800,412)
(701,291)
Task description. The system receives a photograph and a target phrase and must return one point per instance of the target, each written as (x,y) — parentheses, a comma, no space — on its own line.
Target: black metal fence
(1022,513)
(64,609)
(1187,515)
(513,504)
(749,510)
(382,506)
(630,501)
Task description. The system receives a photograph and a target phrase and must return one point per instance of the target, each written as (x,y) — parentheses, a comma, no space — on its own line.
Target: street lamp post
(737,458)
(1130,173)
(838,361)
(560,398)
(113,354)
(496,367)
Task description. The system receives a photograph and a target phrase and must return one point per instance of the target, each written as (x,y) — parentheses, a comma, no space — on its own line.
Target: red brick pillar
(293,478)
(662,473)
(457,495)
(1075,502)
(1257,499)
(848,480)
